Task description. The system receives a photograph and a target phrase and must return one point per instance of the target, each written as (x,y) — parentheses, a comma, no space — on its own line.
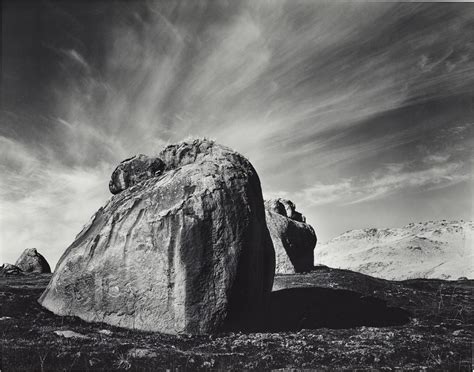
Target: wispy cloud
(77,57)
(44,205)
(436,158)
(284,71)
(377,186)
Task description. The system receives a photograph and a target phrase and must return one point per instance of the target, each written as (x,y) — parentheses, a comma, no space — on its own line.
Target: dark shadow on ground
(294,309)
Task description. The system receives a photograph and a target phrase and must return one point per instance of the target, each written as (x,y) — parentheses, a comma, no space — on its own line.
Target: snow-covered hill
(435,249)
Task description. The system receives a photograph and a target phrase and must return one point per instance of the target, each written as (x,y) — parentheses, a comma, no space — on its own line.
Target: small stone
(70,334)
(142,353)
(106,332)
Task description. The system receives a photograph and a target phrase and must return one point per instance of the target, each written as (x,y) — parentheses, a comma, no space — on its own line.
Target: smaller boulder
(293,239)
(31,261)
(134,170)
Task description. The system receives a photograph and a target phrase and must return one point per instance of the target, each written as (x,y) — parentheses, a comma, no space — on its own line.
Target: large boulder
(294,240)
(31,261)
(186,251)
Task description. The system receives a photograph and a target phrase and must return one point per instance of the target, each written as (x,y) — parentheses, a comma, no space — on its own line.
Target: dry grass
(438,336)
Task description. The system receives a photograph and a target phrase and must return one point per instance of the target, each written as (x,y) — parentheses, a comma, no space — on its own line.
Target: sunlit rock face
(31,261)
(294,240)
(186,251)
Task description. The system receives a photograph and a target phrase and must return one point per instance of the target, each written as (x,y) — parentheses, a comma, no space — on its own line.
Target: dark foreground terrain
(327,319)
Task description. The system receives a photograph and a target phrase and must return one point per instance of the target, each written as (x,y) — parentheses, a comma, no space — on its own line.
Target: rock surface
(134,170)
(284,207)
(31,261)
(9,269)
(187,251)
(293,239)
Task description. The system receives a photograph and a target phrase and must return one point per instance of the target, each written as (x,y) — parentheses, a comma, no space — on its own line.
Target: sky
(361,113)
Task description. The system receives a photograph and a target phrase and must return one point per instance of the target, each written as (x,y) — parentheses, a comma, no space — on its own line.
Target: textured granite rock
(293,239)
(187,251)
(9,270)
(31,261)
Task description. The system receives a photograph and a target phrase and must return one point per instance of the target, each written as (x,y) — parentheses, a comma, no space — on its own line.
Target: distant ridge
(434,249)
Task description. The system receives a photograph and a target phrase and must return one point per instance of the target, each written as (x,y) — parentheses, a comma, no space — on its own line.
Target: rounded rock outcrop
(187,251)
(31,261)
(293,239)
(134,170)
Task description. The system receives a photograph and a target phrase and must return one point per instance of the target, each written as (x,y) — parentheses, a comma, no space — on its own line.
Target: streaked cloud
(377,186)
(44,205)
(436,158)
(77,57)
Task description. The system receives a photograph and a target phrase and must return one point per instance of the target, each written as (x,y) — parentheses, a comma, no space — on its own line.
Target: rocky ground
(356,330)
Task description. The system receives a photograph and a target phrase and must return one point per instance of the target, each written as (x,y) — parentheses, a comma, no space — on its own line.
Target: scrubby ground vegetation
(437,336)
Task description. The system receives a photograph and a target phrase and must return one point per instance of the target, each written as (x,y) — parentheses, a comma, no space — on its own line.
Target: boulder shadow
(294,309)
